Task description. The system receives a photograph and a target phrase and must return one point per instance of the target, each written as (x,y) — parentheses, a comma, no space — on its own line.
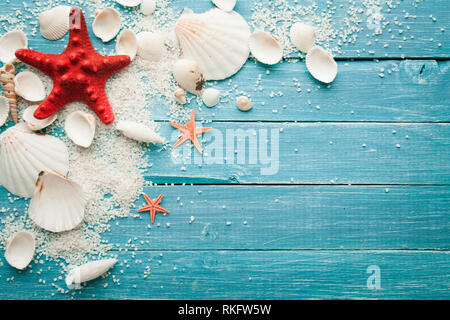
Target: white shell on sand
(211,97)
(29,86)
(302,36)
(225,5)
(89,271)
(25,154)
(189,75)
(54,23)
(265,47)
(216,40)
(20,250)
(179,95)
(80,128)
(321,65)
(129,3)
(106,24)
(4,110)
(58,203)
(148,7)
(151,46)
(9,43)
(36,124)
(243,103)
(127,43)
(139,132)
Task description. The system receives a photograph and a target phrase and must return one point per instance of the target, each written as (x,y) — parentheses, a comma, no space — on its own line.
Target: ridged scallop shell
(25,154)
(189,76)
(225,5)
(139,132)
(107,24)
(54,23)
(129,3)
(20,250)
(216,40)
(321,65)
(89,271)
(9,43)
(36,124)
(211,97)
(302,36)
(58,203)
(29,86)
(265,47)
(151,46)
(80,128)
(148,7)
(127,43)
(4,110)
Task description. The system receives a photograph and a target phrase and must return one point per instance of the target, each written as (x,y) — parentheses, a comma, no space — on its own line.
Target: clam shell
(139,132)
(189,75)
(148,7)
(9,43)
(129,3)
(80,128)
(216,40)
(179,95)
(211,97)
(20,250)
(25,154)
(321,65)
(58,203)
(106,24)
(302,36)
(265,47)
(151,46)
(4,110)
(127,43)
(225,5)
(36,124)
(54,23)
(29,86)
(89,271)
(243,103)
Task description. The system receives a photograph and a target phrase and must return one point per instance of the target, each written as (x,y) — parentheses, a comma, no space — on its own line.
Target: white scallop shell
(243,103)
(189,75)
(4,110)
(321,65)
(179,95)
(106,24)
(139,132)
(216,40)
(151,46)
(89,271)
(225,5)
(29,86)
(20,250)
(211,97)
(265,47)
(54,23)
(126,43)
(36,124)
(80,128)
(58,203)
(302,36)
(9,43)
(148,7)
(25,154)
(129,3)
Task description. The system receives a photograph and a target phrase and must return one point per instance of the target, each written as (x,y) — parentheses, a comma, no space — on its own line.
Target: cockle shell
(216,40)
(148,7)
(151,46)
(139,132)
(321,64)
(189,75)
(29,86)
(180,96)
(89,271)
(129,3)
(107,24)
(20,250)
(9,43)
(36,124)
(4,110)
(225,5)
(25,154)
(265,47)
(211,97)
(243,103)
(58,203)
(127,43)
(54,23)
(302,36)
(80,128)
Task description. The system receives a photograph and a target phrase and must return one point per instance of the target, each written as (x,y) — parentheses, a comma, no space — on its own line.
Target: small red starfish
(78,73)
(190,132)
(153,206)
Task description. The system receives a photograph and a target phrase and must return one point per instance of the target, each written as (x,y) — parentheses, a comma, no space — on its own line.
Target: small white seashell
(107,24)
(151,46)
(180,96)
(189,75)
(80,128)
(127,43)
(265,47)
(321,64)
(89,271)
(20,250)
(302,36)
(243,103)
(139,132)
(129,3)
(225,5)
(34,123)
(4,110)
(9,43)
(29,86)
(58,203)
(148,7)
(54,23)
(211,97)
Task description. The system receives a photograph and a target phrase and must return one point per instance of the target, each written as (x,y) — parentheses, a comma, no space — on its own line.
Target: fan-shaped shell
(302,36)
(89,271)
(139,132)
(80,128)
(129,3)
(189,75)
(25,154)
(151,46)
(4,110)
(148,7)
(58,203)
(127,43)
(225,5)
(54,23)
(20,250)
(107,24)
(216,40)
(36,124)
(29,86)
(321,64)
(211,97)
(265,47)
(9,43)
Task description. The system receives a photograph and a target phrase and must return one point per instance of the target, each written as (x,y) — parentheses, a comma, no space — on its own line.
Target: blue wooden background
(334,208)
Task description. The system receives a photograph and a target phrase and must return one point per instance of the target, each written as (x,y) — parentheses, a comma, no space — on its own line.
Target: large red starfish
(79,73)
(153,206)
(190,132)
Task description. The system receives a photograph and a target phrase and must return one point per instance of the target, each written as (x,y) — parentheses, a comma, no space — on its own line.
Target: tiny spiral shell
(7,73)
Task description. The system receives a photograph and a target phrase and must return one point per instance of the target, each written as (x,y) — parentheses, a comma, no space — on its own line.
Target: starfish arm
(158,200)
(146,208)
(201,130)
(111,65)
(149,201)
(47,108)
(197,144)
(159,208)
(152,215)
(39,60)
(178,126)
(181,141)
(99,103)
